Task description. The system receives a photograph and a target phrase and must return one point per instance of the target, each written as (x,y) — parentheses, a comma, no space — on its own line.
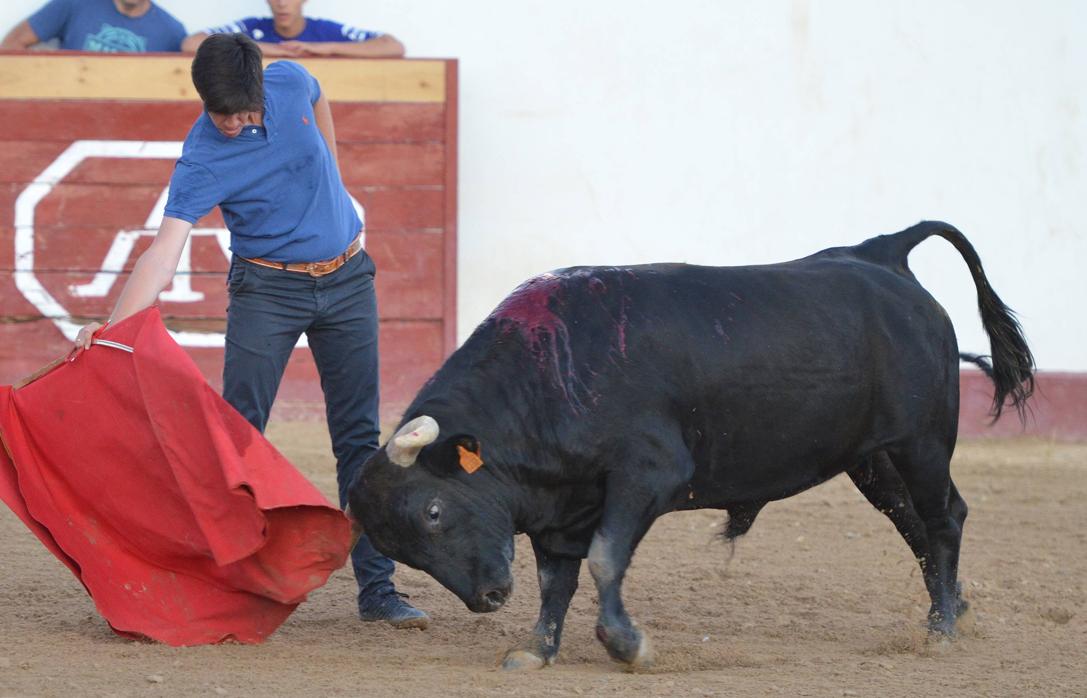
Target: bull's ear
(356,526)
(466,452)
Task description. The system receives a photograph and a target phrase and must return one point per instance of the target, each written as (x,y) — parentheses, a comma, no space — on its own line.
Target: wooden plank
(58,76)
(78,205)
(26,346)
(408,279)
(127,172)
(22,161)
(392,213)
(66,121)
(387,211)
(7,246)
(449,240)
(166,78)
(400,296)
(58,283)
(388,122)
(392,164)
(361,164)
(81,249)
(381,80)
(410,353)
(84,205)
(14,307)
(402,208)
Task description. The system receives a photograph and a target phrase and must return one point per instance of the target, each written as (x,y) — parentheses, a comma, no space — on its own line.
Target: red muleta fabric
(183,523)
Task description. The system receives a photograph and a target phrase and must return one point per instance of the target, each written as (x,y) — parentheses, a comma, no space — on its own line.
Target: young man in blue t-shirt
(289,33)
(108,26)
(264,152)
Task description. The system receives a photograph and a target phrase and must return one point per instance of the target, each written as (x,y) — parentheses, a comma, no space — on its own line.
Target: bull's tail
(981,362)
(1012,362)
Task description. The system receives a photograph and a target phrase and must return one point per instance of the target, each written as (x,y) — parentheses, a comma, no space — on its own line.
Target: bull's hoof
(522,659)
(938,644)
(631,647)
(645,657)
(941,627)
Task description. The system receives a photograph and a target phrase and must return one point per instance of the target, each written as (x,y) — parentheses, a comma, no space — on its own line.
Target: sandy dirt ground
(822,598)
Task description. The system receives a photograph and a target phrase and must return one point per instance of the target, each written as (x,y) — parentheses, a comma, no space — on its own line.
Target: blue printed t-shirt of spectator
(97,25)
(264,29)
(277,185)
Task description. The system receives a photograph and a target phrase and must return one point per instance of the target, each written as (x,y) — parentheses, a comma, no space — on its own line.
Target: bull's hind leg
(884,488)
(925,469)
(558,582)
(958,508)
(649,485)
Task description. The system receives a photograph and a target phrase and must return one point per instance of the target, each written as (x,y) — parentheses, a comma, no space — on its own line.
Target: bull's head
(422,502)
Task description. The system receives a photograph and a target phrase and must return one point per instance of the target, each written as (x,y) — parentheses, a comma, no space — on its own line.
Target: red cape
(183,523)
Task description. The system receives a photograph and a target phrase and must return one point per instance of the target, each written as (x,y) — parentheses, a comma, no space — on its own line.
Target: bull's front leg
(558,582)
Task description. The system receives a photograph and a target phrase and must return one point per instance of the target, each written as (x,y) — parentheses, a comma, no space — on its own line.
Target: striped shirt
(264,29)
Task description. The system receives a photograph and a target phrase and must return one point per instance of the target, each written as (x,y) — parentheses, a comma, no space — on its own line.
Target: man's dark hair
(228,73)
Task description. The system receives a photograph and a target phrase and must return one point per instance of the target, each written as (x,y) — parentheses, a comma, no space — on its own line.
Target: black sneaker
(394,610)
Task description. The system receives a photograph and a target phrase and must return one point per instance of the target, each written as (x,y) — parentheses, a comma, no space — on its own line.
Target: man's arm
(323,113)
(20,38)
(152,272)
(287,48)
(384,46)
(192,42)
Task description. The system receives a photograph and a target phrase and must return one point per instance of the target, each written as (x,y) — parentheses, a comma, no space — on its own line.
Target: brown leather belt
(314,268)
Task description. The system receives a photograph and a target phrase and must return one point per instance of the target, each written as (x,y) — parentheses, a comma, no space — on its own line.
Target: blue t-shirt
(277,185)
(96,25)
(264,29)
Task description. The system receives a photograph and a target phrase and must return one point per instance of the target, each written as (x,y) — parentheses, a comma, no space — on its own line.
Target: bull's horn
(403,448)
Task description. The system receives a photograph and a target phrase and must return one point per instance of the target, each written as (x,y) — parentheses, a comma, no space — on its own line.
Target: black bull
(599,399)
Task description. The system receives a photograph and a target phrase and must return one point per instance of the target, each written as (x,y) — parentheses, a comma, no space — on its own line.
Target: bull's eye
(433,512)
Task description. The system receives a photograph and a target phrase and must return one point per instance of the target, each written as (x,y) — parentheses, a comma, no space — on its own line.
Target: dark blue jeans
(269,310)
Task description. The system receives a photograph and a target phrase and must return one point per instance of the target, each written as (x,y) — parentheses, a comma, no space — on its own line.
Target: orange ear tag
(470,461)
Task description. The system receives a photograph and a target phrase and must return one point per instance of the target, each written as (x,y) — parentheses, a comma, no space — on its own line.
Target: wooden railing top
(165,77)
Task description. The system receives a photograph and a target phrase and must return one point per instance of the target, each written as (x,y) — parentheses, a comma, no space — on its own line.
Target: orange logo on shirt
(305,120)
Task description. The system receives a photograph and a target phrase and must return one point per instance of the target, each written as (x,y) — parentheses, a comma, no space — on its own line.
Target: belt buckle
(316,269)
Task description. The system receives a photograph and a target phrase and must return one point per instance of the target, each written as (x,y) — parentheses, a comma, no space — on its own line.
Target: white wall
(716,132)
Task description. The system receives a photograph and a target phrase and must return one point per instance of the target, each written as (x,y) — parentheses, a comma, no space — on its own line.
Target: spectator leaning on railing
(109,26)
(289,33)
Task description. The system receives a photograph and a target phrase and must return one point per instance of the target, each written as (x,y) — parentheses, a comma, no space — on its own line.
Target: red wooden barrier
(1057,411)
(88,148)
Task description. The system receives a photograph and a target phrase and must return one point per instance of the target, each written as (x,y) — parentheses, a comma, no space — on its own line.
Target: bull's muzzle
(491,600)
